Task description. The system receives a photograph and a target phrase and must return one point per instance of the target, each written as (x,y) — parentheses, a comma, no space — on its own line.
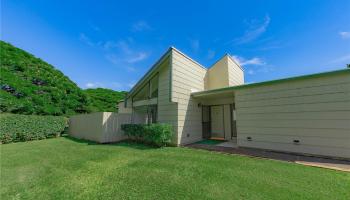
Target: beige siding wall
(167,110)
(123,109)
(217,101)
(227,121)
(224,73)
(217,75)
(235,73)
(315,111)
(187,77)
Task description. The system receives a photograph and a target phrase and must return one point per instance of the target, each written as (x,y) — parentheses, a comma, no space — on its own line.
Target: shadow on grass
(123,143)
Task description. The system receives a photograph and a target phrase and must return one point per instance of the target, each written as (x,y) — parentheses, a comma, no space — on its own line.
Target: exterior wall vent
(296,141)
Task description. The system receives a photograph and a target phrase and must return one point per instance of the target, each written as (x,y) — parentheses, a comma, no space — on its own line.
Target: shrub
(158,134)
(154,134)
(16,128)
(134,131)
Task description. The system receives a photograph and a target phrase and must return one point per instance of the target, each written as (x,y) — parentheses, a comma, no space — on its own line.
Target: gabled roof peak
(227,55)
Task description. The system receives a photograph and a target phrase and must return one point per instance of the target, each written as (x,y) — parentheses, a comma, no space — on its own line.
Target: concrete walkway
(230,147)
(229,144)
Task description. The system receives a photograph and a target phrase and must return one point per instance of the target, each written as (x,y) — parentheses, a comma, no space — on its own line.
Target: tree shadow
(123,143)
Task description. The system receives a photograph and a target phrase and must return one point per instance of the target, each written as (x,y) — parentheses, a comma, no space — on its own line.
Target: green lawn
(63,168)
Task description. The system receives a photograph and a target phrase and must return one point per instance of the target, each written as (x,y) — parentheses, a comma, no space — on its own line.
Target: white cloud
(112,58)
(131,69)
(255,29)
(86,39)
(253,65)
(94,85)
(131,84)
(124,46)
(250,82)
(137,58)
(252,61)
(123,54)
(141,26)
(344,34)
(94,27)
(210,54)
(194,43)
(110,44)
(251,72)
(111,85)
(117,86)
(342,59)
(121,45)
(89,85)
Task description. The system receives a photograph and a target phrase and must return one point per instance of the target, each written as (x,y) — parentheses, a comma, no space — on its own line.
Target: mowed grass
(63,168)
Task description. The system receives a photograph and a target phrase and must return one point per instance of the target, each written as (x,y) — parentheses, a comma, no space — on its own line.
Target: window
(152,114)
(142,94)
(149,90)
(154,87)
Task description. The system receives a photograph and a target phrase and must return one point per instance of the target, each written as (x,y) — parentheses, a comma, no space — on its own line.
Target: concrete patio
(230,147)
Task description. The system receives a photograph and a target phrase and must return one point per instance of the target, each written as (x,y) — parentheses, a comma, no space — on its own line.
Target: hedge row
(16,128)
(155,134)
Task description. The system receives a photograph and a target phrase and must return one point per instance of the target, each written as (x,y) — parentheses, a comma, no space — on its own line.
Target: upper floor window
(154,87)
(148,91)
(142,94)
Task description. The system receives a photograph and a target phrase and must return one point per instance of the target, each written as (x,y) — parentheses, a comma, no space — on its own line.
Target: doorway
(206,122)
(217,122)
(233,122)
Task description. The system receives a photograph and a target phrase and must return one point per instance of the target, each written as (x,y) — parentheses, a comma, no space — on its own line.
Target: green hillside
(31,86)
(104,99)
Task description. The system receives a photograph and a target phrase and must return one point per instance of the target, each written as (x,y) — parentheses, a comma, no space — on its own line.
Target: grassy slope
(37,87)
(104,99)
(65,169)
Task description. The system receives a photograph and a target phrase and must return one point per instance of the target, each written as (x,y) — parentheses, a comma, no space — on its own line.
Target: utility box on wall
(101,127)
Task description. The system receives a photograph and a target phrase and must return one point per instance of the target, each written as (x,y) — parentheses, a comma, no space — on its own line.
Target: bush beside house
(154,134)
(18,128)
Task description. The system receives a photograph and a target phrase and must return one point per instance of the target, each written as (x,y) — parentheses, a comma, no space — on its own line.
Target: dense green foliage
(104,99)
(133,131)
(16,128)
(62,168)
(155,134)
(32,86)
(158,134)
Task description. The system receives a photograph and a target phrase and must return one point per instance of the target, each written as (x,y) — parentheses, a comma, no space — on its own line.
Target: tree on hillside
(102,99)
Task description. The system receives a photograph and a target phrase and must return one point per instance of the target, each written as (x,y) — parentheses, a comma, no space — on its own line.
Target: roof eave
(197,94)
(149,72)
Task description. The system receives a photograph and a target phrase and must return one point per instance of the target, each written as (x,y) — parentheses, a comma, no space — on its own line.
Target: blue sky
(113,43)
